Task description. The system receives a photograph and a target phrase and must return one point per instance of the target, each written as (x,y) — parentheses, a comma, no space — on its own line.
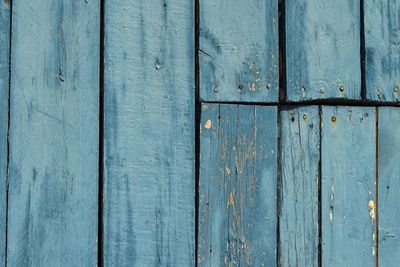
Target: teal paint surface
(149,210)
(299,157)
(323,49)
(239,55)
(53,176)
(389,187)
(348,186)
(4,86)
(238,169)
(382,49)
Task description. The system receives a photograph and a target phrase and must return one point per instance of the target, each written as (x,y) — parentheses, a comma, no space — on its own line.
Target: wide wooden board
(348,205)
(54,133)
(149,209)
(238,178)
(323,49)
(382,49)
(299,160)
(239,55)
(389,186)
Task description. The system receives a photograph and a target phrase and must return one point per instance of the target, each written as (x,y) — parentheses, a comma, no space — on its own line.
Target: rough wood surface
(237,214)
(149,133)
(4,86)
(389,187)
(299,157)
(323,49)
(239,55)
(53,176)
(348,186)
(382,49)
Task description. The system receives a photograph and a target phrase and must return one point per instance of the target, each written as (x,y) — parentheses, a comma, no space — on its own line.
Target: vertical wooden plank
(389,187)
(300,155)
(4,86)
(348,186)
(53,179)
(239,55)
(323,49)
(382,49)
(238,171)
(149,133)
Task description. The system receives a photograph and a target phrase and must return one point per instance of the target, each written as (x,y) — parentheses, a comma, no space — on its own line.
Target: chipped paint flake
(371,207)
(208,124)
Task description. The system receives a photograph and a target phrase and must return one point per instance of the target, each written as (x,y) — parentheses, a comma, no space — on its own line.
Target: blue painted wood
(348,186)
(382,46)
(238,169)
(4,86)
(323,49)
(389,187)
(239,55)
(299,157)
(53,176)
(149,133)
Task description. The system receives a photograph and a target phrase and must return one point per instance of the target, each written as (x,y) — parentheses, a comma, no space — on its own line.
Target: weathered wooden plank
(299,157)
(238,170)
(323,49)
(4,86)
(149,133)
(348,186)
(382,49)
(239,55)
(53,176)
(389,187)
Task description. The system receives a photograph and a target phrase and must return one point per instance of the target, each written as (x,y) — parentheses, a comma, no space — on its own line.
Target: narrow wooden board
(149,133)
(53,176)
(323,49)
(239,55)
(382,49)
(238,170)
(299,157)
(389,187)
(4,87)
(348,186)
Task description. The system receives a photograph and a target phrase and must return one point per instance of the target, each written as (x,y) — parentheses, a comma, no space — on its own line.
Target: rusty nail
(333,119)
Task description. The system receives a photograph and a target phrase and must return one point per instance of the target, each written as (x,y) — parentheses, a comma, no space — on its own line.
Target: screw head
(304,116)
(341,88)
(395,89)
(333,118)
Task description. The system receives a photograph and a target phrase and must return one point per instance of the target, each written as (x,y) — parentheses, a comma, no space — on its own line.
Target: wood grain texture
(4,87)
(389,187)
(323,49)
(53,176)
(382,49)
(238,169)
(299,157)
(239,55)
(348,186)
(149,133)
